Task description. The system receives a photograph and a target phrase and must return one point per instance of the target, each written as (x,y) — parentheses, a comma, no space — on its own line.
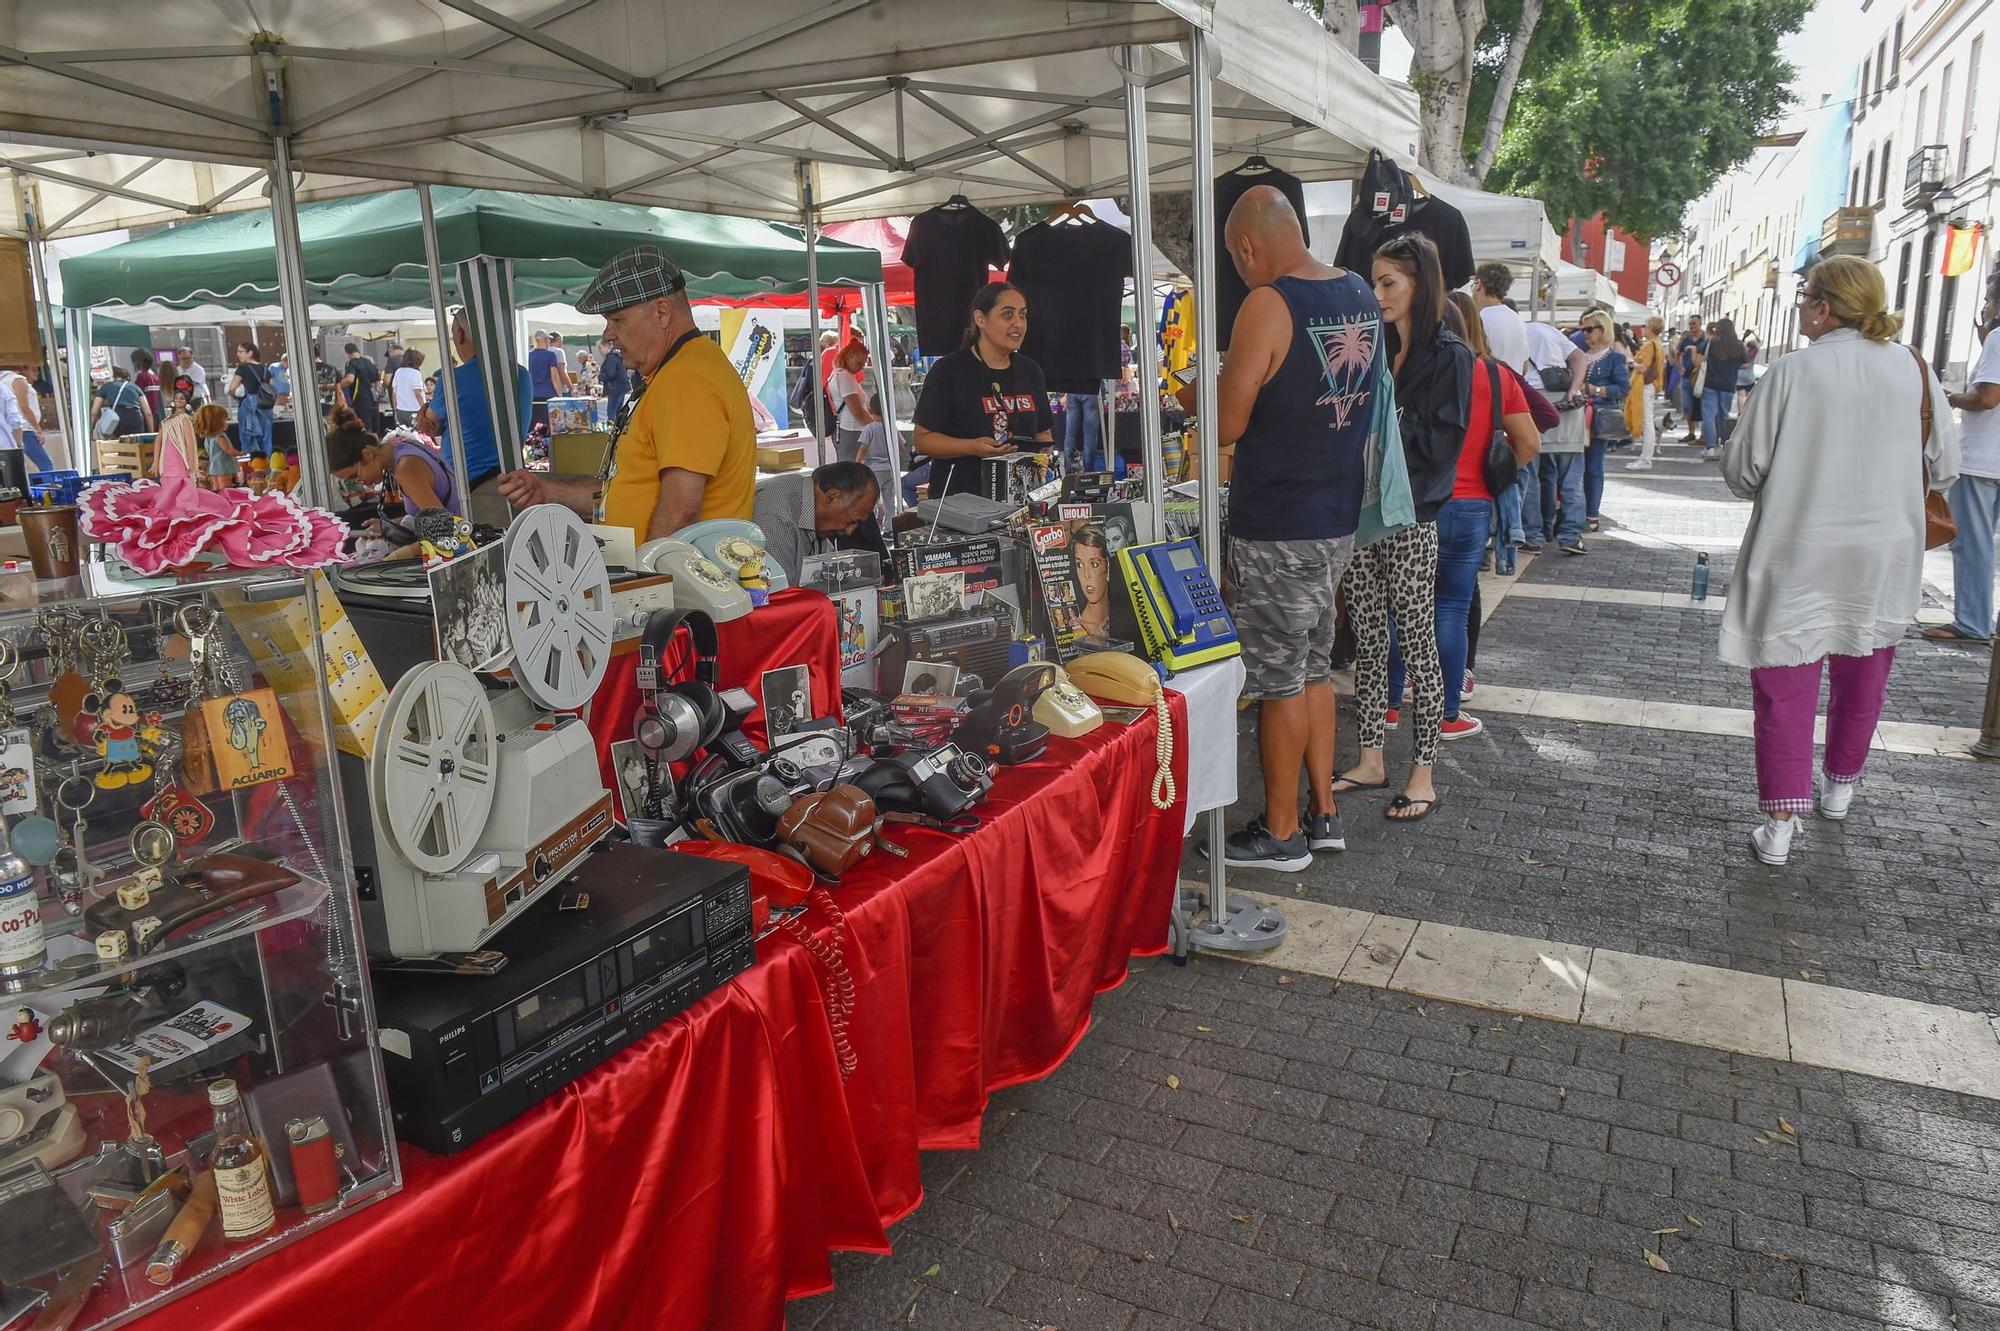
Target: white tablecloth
(1211,692)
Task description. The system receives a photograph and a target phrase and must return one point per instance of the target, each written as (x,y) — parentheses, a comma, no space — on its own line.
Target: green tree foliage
(1635,111)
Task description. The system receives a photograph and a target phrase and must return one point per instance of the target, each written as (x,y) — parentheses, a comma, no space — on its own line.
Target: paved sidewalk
(1245,1148)
(1236,1149)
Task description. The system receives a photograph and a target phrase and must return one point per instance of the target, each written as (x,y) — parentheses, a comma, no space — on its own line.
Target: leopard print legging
(1397,575)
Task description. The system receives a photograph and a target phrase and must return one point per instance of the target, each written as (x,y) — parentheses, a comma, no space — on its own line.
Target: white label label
(394,1042)
(20,922)
(17,771)
(243,1195)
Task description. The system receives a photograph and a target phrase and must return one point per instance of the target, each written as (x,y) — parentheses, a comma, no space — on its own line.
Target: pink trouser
(1787,699)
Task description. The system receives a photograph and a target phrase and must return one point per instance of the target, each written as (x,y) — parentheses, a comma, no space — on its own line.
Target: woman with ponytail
(1836,448)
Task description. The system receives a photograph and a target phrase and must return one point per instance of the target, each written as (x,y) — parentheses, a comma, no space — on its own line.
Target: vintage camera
(943,783)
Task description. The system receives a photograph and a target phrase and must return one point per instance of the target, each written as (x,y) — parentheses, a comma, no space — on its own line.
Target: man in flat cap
(688,450)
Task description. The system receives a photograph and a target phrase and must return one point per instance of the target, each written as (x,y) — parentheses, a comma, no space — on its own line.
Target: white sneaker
(1638,466)
(1835,797)
(1773,840)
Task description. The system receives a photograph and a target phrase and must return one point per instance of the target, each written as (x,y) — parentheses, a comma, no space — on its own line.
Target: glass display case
(188,1077)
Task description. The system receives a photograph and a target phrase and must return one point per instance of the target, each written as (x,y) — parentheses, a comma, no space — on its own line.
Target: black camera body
(944,783)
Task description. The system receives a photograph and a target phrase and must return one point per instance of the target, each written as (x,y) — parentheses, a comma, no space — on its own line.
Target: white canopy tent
(1577,289)
(812,110)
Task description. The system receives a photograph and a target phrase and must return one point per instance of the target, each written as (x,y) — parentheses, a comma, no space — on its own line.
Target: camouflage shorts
(1280,594)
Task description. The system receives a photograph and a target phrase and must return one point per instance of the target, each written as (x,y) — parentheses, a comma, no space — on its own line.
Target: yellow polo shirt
(695,415)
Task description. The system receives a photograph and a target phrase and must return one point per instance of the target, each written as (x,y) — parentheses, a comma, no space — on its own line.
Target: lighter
(314,1167)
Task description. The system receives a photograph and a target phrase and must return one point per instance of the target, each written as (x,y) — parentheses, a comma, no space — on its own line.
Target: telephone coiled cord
(838,982)
(1164,790)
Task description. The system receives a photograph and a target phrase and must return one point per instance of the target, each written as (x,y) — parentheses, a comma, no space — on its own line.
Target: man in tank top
(1297,399)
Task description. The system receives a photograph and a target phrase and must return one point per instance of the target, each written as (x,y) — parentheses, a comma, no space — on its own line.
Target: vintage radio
(637,937)
(976,642)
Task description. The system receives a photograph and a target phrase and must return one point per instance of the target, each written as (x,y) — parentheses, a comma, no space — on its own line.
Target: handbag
(106,424)
(1556,380)
(1940,527)
(1500,467)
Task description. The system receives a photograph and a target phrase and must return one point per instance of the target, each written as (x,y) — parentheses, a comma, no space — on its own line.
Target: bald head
(1263,236)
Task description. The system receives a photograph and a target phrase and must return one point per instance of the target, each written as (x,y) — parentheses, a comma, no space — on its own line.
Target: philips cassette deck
(466,1054)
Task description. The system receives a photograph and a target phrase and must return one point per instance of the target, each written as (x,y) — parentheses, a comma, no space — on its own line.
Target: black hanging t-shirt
(1445,225)
(950,250)
(965,398)
(1230,293)
(1073,276)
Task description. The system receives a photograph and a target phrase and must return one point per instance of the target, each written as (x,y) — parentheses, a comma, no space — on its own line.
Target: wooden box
(133,453)
(785,457)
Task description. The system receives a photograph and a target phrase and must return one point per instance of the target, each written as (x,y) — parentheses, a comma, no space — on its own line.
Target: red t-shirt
(1471,482)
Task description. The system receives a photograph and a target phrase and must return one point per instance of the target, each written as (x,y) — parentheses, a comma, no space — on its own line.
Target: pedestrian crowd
(1392,438)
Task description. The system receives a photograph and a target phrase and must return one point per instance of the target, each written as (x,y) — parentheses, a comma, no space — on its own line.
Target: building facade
(1932,115)
(1620,256)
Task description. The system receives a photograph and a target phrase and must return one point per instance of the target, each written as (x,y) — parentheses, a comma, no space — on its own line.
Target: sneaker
(1460,726)
(1835,797)
(1323,832)
(1709,455)
(1255,848)
(1571,548)
(1638,466)
(1773,839)
(1465,690)
(1509,566)
(1392,717)
(1532,547)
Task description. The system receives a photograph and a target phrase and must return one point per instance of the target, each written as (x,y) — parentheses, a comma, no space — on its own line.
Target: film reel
(559,615)
(433,773)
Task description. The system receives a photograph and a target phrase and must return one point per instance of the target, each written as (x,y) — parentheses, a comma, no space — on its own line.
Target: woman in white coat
(1836,446)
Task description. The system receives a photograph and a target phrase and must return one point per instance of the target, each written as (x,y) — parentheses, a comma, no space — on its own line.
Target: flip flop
(1405,802)
(1949,633)
(1352,785)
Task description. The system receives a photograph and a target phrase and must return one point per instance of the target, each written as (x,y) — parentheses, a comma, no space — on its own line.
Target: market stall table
(700,1178)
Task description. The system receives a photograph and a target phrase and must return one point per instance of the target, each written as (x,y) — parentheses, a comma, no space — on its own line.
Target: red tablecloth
(699,1179)
(798,627)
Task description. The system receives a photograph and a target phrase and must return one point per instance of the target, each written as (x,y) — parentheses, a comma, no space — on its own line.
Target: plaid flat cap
(641,273)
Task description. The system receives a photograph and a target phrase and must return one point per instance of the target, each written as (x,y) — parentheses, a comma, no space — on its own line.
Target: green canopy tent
(509,250)
(369,250)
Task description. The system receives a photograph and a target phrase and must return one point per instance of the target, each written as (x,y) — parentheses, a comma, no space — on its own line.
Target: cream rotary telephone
(699,583)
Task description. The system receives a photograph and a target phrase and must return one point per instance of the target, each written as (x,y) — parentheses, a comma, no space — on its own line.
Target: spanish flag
(1961,248)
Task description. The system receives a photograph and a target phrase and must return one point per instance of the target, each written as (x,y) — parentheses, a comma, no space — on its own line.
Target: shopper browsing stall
(844,387)
(689,451)
(800,511)
(477,435)
(986,399)
(1297,398)
(354,453)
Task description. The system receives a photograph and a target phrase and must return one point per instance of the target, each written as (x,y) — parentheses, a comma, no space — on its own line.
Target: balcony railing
(1848,231)
(1923,178)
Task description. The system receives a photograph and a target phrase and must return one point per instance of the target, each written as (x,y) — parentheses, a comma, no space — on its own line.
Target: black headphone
(677,719)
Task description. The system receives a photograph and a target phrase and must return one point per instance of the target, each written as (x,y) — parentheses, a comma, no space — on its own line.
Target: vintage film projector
(482,794)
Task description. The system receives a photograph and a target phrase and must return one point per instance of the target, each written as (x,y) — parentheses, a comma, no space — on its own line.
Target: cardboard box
(572,415)
(783,457)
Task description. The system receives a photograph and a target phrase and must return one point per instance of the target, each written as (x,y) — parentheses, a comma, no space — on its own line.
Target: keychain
(197,623)
(17,743)
(174,804)
(71,872)
(67,688)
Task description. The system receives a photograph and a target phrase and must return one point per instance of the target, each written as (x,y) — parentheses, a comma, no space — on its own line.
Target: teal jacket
(1386,505)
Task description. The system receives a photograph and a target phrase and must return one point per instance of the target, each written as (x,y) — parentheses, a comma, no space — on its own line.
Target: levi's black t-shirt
(1073,275)
(950,251)
(965,398)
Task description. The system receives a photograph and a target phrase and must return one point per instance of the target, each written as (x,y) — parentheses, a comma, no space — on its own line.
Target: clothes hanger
(1254,165)
(1073,211)
(956,201)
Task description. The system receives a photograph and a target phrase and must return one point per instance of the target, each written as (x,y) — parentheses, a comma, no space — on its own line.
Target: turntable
(481,794)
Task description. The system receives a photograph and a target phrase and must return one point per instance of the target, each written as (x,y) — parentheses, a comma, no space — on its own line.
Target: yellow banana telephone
(1120,677)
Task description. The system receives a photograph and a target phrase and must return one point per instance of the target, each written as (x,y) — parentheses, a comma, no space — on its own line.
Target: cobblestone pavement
(1231,1150)
(1239,1149)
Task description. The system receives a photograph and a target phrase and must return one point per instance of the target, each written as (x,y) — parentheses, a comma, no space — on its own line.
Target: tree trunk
(1342,18)
(1444,36)
(1503,90)
(1173,228)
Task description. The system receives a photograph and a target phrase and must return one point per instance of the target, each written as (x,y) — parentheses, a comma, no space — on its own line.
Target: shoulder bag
(1940,528)
(1500,468)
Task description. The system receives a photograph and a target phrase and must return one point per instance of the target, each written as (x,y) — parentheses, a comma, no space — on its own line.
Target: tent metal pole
(1246,926)
(875,317)
(76,336)
(295,305)
(447,374)
(808,224)
(45,315)
(1144,340)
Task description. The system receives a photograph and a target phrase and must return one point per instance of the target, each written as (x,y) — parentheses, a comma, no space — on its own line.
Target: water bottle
(1700,592)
